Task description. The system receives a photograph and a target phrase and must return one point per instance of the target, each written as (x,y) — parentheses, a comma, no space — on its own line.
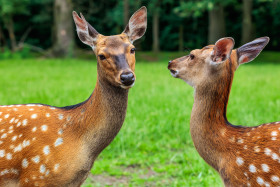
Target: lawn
(154,147)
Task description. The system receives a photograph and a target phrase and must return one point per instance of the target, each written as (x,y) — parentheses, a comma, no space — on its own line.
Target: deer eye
(101,57)
(191,56)
(132,51)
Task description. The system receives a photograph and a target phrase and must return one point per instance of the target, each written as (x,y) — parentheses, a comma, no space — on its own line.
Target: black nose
(127,78)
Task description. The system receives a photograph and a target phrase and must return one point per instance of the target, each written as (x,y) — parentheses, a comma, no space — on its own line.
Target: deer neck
(99,119)
(208,119)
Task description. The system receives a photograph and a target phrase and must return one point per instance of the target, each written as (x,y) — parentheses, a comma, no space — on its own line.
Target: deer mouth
(127,87)
(174,73)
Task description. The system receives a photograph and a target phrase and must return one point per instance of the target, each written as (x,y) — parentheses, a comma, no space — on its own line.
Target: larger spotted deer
(42,145)
(243,156)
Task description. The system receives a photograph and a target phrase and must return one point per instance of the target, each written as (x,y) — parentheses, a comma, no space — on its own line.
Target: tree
(8,8)
(126,11)
(155,7)
(216,27)
(247,26)
(63,29)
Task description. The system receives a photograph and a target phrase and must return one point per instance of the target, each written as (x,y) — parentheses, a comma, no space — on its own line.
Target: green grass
(154,147)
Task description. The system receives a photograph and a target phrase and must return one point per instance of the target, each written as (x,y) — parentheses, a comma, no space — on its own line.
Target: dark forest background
(46,27)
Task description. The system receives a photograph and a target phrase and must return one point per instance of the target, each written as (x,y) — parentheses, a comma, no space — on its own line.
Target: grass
(154,147)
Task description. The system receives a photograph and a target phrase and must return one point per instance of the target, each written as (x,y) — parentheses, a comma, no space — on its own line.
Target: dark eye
(101,57)
(132,51)
(191,56)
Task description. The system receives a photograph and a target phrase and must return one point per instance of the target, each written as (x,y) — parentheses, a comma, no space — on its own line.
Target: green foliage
(107,18)
(154,146)
(20,54)
(11,7)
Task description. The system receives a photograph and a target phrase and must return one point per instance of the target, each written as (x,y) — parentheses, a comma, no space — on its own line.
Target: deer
(243,156)
(43,145)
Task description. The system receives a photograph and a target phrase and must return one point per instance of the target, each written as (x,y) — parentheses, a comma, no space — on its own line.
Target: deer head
(213,63)
(115,54)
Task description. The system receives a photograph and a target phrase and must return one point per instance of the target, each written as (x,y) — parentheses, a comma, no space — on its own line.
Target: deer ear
(86,33)
(137,25)
(222,50)
(249,51)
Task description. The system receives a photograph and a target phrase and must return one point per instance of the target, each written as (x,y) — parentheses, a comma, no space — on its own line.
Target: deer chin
(174,73)
(127,87)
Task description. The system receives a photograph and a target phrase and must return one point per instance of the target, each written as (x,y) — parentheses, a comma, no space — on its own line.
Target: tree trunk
(125,12)
(156,47)
(63,29)
(216,28)
(247,26)
(2,40)
(181,37)
(10,27)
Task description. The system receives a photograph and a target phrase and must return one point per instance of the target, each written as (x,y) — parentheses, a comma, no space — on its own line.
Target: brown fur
(243,156)
(41,145)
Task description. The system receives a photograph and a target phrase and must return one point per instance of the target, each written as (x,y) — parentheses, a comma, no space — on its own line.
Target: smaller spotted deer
(42,145)
(243,156)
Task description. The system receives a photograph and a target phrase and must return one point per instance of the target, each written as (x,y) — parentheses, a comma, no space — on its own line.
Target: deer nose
(127,78)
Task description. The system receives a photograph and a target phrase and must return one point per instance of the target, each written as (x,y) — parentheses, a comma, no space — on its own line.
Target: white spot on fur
(42,168)
(273,138)
(6,116)
(56,166)
(24,122)
(18,124)
(18,148)
(47,172)
(2,153)
(4,135)
(240,140)
(60,116)
(60,131)
(239,161)
(252,168)
(266,184)
(12,120)
(267,151)
(260,181)
(8,156)
(257,149)
(44,128)
(25,143)
(31,109)
(5,171)
(30,105)
(58,142)
(24,163)
(34,129)
(265,167)
(46,150)
(274,156)
(36,159)
(48,115)
(14,138)
(34,116)
(274,133)
(275,178)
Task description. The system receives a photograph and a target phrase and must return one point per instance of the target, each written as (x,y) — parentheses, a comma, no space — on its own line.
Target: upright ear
(87,34)
(249,51)
(137,25)
(222,50)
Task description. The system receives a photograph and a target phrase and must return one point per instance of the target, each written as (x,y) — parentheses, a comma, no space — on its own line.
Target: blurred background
(43,61)
(47,28)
